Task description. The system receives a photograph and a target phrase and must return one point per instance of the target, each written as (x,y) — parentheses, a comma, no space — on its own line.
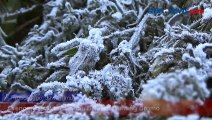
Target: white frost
(117,16)
(207,14)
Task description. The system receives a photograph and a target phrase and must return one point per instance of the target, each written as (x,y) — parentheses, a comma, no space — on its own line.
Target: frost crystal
(186,84)
(207,14)
(112,50)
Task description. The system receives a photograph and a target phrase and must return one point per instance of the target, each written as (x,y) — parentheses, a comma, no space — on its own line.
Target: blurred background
(17,17)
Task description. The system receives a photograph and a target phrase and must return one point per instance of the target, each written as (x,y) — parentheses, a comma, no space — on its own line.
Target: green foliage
(71,52)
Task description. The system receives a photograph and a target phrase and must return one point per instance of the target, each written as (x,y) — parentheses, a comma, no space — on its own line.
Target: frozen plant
(106,50)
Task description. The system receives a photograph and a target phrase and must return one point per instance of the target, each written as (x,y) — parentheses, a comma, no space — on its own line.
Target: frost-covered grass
(113,50)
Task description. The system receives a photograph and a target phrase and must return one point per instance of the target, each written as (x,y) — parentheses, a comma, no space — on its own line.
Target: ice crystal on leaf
(207,14)
(187,84)
(107,50)
(88,52)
